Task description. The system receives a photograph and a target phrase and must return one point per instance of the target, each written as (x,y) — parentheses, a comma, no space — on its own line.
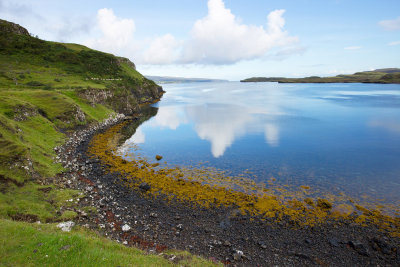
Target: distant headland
(388,75)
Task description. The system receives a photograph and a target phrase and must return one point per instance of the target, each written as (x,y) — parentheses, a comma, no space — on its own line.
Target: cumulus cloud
(117,33)
(391,24)
(220,38)
(162,50)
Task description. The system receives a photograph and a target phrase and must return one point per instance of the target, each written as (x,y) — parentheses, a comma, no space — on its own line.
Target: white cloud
(117,33)
(391,24)
(162,50)
(353,48)
(394,43)
(220,38)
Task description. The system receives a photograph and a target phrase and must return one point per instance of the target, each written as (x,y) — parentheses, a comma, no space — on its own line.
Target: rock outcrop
(10,27)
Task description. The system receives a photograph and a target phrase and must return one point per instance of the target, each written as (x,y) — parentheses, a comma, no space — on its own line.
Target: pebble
(238,255)
(359,247)
(334,242)
(126,228)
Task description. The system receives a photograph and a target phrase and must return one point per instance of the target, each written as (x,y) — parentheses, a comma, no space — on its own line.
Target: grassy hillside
(48,89)
(389,75)
(44,89)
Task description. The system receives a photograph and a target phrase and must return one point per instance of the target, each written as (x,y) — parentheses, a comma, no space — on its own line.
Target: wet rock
(303,256)
(308,241)
(159,157)
(334,242)
(380,245)
(145,186)
(324,204)
(359,247)
(227,243)
(238,255)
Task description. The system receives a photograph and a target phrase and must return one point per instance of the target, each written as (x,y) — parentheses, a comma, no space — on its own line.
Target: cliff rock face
(127,61)
(123,100)
(9,27)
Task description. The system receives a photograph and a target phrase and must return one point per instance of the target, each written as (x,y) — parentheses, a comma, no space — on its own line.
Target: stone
(227,243)
(126,228)
(144,186)
(359,247)
(308,241)
(334,242)
(262,245)
(379,244)
(238,255)
(66,226)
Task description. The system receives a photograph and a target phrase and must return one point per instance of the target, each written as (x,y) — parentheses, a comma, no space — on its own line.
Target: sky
(224,39)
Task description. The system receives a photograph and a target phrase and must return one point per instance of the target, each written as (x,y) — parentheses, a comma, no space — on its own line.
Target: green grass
(35,137)
(75,47)
(48,246)
(97,112)
(33,202)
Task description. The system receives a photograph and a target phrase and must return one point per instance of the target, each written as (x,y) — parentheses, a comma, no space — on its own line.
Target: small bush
(34,83)
(9,114)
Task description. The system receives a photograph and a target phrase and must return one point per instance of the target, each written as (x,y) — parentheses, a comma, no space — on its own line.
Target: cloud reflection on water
(218,118)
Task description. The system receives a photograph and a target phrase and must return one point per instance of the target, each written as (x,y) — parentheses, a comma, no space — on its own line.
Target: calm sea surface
(343,137)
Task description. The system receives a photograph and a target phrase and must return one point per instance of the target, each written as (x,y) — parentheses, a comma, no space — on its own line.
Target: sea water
(343,137)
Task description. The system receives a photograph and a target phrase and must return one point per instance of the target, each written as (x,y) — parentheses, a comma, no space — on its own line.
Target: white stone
(126,228)
(66,226)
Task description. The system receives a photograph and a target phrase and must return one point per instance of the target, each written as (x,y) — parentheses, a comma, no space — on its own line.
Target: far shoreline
(379,76)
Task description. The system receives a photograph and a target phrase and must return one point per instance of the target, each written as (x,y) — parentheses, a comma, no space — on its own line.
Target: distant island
(388,75)
(166,79)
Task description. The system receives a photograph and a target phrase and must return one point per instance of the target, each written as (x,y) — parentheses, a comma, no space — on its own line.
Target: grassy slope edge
(43,96)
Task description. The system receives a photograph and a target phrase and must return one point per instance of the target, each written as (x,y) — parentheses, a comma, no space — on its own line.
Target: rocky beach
(225,235)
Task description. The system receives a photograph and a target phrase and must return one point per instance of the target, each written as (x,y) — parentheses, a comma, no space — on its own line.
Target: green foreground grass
(24,244)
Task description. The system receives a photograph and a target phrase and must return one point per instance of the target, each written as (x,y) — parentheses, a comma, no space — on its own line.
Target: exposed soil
(135,218)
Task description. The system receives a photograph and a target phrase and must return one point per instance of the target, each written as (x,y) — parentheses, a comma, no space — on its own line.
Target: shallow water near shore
(332,137)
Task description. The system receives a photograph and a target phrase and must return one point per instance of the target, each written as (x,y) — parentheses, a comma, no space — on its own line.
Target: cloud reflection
(218,118)
(272,134)
(170,117)
(389,125)
(138,137)
(219,124)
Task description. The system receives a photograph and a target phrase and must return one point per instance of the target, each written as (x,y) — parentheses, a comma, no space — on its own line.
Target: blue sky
(229,39)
